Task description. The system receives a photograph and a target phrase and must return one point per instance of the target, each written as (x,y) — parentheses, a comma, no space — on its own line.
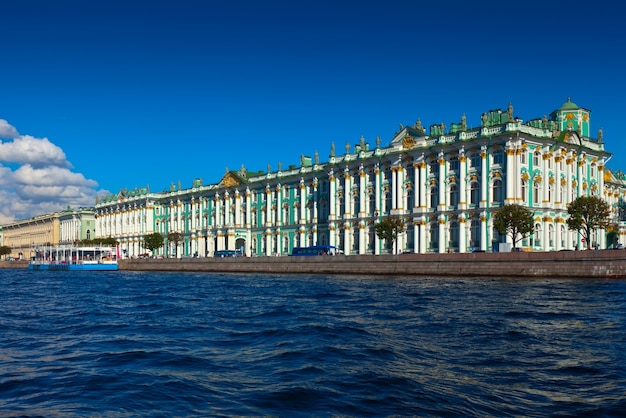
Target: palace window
(475,160)
(551,235)
(537,235)
(454,195)
(475,233)
(410,196)
(474,193)
(536,189)
(388,206)
(454,164)
(498,195)
(434,197)
(524,190)
(434,236)
(454,235)
(498,157)
(434,168)
(536,159)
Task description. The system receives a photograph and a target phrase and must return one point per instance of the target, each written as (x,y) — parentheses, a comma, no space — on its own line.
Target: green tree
(389,229)
(586,214)
(175,237)
(111,242)
(153,241)
(514,220)
(5,250)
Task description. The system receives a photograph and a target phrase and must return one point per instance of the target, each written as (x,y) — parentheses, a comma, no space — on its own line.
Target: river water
(119,344)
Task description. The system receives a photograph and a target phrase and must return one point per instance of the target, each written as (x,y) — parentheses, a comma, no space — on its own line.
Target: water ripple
(155,344)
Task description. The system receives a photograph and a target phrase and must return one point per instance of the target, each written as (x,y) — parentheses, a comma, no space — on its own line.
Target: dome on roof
(569,105)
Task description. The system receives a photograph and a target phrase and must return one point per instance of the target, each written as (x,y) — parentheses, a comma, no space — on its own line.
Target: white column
(558,203)
(463,182)
(442,235)
(248,207)
(268,207)
(378,190)
(423,185)
(545,201)
(442,184)
(568,177)
(579,177)
(332,198)
(394,188)
(279,207)
(483,232)
(217,202)
(462,234)
(347,195)
(484,175)
(316,197)
(401,195)
(237,209)
(362,237)
(362,195)
(511,176)
(302,202)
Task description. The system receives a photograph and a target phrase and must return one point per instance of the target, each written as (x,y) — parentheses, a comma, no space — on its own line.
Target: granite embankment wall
(609,264)
(570,264)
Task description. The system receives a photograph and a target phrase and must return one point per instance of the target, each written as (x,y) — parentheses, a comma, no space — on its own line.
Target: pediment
(230,179)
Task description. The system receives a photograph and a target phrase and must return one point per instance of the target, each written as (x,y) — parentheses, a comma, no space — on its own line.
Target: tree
(175,237)
(586,214)
(153,241)
(5,250)
(514,220)
(111,242)
(389,229)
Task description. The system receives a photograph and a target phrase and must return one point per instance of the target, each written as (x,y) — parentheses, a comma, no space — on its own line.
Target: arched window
(551,235)
(536,189)
(454,164)
(434,236)
(524,190)
(475,160)
(454,195)
(434,197)
(410,197)
(474,193)
(498,194)
(388,206)
(498,157)
(454,235)
(475,233)
(372,203)
(537,235)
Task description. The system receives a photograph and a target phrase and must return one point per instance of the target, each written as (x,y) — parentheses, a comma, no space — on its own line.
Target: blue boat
(70,258)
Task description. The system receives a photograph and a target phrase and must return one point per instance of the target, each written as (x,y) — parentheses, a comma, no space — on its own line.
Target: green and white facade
(447,183)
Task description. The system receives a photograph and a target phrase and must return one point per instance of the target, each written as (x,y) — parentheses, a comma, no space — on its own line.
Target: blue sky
(98,96)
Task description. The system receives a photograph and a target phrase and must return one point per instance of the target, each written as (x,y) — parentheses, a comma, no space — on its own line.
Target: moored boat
(65,258)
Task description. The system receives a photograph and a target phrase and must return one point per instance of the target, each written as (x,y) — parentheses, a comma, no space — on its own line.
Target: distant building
(76,225)
(66,227)
(447,184)
(24,235)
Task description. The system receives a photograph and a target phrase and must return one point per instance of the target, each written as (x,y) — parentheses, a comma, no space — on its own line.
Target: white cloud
(6,130)
(36,178)
(29,150)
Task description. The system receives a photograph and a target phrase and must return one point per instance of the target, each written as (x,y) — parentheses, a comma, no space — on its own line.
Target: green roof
(569,105)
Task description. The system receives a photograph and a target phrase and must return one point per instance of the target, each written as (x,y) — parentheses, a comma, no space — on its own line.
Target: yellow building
(23,236)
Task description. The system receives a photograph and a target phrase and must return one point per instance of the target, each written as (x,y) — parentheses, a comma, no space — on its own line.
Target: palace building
(446,182)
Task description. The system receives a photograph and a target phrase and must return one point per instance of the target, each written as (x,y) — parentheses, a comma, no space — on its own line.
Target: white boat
(66,257)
